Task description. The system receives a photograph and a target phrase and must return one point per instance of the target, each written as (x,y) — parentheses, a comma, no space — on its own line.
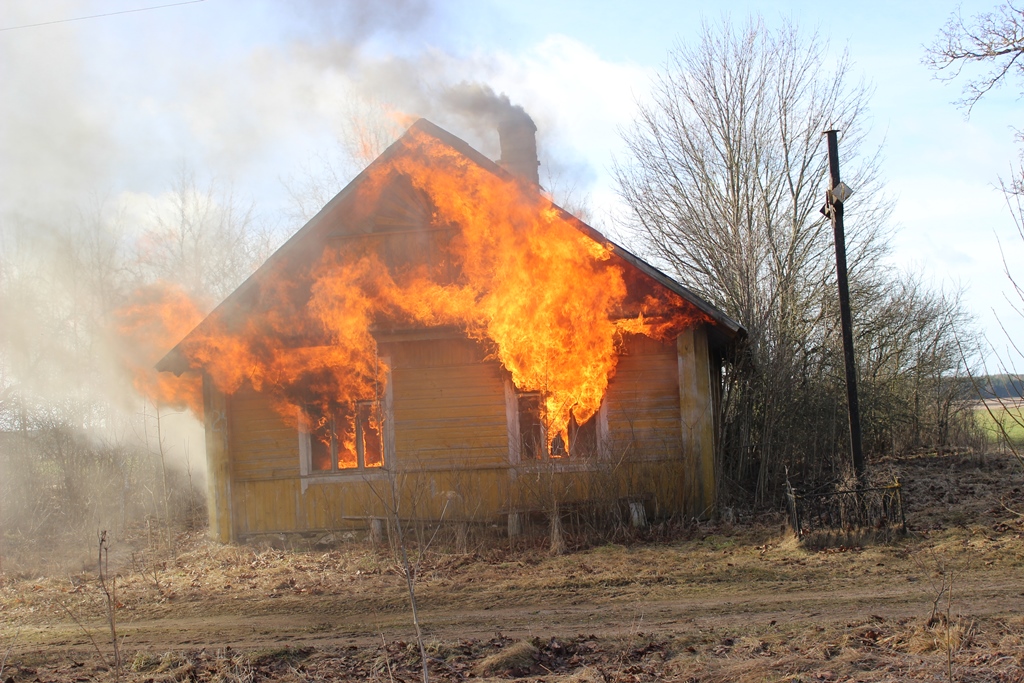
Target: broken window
(339,442)
(321,445)
(583,437)
(532,439)
(369,439)
(533,444)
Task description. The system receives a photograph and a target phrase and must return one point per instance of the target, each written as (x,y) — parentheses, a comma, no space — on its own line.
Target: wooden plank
(291,465)
(642,403)
(259,423)
(448,414)
(420,442)
(278,442)
(456,427)
(264,459)
(451,398)
(467,450)
(449,435)
(292,469)
(244,469)
(265,475)
(218,464)
(667,429)
(282,444)
(637,345)
(697,422)
(454,391)
(433,381)
(447,410)
(262,445)
(435,353)
(446,461)
(470,452)
(286,449)
(641,410)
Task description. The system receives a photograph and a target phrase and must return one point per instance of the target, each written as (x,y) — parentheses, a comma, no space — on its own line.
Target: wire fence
(877,508)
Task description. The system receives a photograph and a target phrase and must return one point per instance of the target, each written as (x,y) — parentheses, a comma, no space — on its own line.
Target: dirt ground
(709,602)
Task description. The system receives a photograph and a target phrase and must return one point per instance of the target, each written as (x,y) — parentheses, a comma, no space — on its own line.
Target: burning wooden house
(441,340)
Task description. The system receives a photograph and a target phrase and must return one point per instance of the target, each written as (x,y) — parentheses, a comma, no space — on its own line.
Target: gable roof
(302,244)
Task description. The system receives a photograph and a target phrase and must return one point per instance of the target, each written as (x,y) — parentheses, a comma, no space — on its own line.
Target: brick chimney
(517,135)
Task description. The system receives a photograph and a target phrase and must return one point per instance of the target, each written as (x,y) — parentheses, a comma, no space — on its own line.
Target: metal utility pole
(837,193)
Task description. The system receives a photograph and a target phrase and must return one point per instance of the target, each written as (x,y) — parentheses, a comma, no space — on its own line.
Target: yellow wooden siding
(642,402)
(263,445)
(697,408)
(472,495)
(450,416)
(451,438)
(432,353)
(218,461)
(268,507)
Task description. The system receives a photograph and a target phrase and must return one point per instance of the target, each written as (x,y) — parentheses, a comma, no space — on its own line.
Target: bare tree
(1006,410)
(72,453)
(726,178)
(205,240)
(365,129)
(993,41)
(728,167)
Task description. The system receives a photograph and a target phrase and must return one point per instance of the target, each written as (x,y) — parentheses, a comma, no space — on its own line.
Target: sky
(252,94)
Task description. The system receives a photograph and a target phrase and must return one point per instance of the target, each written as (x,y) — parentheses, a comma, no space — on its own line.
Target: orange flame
(531,283)
(551,302)
(157,316)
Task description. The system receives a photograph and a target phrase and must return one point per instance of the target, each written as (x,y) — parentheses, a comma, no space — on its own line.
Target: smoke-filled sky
(253,94)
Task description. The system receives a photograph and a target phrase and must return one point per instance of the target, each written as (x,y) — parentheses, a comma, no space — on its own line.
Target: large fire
(549,301)
(157,316)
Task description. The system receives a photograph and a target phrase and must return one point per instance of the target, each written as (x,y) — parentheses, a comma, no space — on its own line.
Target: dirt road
(742,602)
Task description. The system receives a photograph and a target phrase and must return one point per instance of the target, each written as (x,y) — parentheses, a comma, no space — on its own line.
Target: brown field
(707,602)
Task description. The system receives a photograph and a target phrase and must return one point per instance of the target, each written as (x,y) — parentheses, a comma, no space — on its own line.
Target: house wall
(451,440)
(218,467)
(643,402)
(697,408)
(451,434)
(449,405)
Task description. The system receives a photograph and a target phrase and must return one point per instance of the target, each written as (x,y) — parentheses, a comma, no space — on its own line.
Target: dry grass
(730,602)
(517,657)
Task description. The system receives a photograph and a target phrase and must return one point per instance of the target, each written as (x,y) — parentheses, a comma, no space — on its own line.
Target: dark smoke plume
(479,101)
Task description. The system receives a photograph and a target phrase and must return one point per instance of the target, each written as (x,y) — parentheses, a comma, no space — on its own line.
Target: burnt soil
(698,602)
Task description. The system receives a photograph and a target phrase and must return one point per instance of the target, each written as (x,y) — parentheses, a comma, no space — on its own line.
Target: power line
(98,16)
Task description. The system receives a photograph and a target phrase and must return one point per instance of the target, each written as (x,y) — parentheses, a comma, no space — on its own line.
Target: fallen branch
(87,633)
(3,664)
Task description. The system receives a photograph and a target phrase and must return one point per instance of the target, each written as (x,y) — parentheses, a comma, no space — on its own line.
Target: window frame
(513,414)
(360,472)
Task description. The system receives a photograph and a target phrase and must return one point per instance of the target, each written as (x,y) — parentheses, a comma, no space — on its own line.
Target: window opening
(321,445)
(583,437)
(533,433)
(340,442)
(532,439)
(558,447)
(345,442)
(369,443)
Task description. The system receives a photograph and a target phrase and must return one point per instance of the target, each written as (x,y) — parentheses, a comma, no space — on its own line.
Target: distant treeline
(1000,386)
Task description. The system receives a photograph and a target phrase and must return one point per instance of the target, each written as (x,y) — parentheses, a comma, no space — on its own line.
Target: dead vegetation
(735,601)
